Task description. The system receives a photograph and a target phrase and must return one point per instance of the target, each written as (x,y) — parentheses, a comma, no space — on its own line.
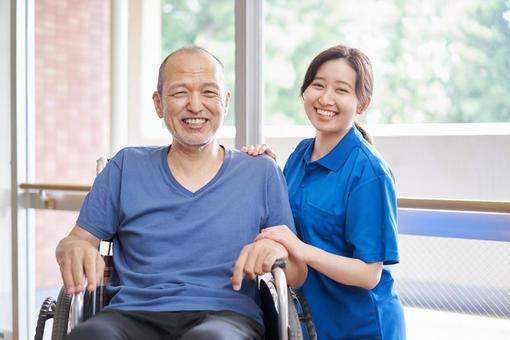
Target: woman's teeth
(325,113)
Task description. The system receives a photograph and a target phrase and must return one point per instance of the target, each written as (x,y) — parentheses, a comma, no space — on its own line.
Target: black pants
(124,325)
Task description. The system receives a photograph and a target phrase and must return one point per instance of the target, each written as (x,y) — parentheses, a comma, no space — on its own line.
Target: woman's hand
(259,149)
(283,235)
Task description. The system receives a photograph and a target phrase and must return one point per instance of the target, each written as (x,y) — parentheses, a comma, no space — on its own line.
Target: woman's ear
(362,107)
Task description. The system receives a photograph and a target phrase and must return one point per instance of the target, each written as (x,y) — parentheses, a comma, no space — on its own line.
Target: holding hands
(286,237)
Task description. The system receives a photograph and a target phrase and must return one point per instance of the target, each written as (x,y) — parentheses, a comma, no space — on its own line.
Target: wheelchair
(285,312)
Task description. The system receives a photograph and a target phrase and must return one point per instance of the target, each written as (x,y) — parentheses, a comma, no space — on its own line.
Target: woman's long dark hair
(364,75)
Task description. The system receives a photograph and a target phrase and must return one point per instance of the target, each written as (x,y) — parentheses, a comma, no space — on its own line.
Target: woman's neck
(325,142)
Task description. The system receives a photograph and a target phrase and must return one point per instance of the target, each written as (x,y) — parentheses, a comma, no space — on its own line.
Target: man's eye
(178,94)
(210,93)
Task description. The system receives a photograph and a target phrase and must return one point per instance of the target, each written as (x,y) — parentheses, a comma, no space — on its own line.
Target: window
(208,24)
(434,61)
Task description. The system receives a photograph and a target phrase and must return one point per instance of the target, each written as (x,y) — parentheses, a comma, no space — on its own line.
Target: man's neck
(191,157)
(193,167)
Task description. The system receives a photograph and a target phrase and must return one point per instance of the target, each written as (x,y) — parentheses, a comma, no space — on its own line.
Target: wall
(72,109)
(439,166)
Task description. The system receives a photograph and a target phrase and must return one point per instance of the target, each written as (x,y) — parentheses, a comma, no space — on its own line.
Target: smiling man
(183,218)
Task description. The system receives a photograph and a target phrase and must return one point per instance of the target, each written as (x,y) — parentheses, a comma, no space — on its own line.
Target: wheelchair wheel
(61,318)
(295,331)
(305,316)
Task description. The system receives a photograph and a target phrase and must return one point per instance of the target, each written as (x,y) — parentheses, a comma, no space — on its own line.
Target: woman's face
(330,100)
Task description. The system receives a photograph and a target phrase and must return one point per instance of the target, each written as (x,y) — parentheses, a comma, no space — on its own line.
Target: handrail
(403,202)
(449,204)
(54,187)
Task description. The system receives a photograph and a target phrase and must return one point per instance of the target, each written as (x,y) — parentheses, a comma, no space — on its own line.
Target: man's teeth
(194,120)
(325,113)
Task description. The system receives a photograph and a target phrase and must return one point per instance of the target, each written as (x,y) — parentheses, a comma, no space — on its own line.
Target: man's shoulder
(138,153)
(259,169)
(260,162)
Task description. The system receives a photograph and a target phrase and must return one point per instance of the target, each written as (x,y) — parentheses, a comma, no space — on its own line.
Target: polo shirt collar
(336,158)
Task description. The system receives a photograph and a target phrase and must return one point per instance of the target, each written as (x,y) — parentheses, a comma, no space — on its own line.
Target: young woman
(343,200)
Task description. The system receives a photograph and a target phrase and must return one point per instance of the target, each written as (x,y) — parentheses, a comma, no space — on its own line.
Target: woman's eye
(317,85)
(342,91)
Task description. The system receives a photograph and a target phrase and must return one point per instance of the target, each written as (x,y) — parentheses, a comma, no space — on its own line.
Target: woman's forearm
(342,269)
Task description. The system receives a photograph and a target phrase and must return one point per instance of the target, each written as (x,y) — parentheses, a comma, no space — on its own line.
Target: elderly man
(183,219)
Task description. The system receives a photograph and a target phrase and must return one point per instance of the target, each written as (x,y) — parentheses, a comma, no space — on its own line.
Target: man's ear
(227,101)
(157,103)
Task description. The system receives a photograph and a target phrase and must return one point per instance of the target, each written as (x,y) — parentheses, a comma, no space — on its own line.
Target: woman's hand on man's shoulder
(259,149)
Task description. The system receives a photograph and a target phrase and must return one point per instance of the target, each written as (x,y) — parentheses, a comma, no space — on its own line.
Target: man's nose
(326,98)
(195,102)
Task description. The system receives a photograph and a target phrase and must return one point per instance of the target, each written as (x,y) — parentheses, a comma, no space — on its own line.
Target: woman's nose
(326,98)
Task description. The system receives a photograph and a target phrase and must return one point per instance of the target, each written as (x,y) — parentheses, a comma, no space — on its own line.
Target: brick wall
(72,106)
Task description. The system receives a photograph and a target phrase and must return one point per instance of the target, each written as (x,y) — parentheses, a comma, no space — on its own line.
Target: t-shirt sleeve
(371,226)
(99,213)
(277,200)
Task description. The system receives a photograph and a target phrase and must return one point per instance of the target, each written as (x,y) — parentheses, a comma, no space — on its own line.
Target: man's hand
(255,259)
(78,258)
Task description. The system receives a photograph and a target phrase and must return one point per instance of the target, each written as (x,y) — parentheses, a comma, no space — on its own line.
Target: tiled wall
(72,105)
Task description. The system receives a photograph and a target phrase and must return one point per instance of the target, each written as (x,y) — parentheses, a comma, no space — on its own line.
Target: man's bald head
(189,50)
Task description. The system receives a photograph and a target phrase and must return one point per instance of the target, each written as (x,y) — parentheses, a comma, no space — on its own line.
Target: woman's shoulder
(304,144)
(369,157)
(301,148)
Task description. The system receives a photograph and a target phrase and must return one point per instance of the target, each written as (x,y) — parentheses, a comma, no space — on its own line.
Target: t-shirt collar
(336,158)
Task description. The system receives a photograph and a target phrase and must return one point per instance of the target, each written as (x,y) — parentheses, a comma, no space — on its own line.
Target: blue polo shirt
(345,204)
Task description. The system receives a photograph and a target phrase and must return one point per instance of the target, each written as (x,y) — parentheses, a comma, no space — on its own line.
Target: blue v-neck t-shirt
(345,204)
(173,249)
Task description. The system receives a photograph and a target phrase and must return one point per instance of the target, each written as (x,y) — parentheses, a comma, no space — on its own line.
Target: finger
(77,270)
(261,236)
(270,153)
(67,277)
(238,273)
(261,148)
(269,260)
(99,269)
(270,235)
(251,260)
(90,272)
(244,148)
(263,256)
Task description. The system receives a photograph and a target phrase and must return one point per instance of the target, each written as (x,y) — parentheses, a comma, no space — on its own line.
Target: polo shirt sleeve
(277,200)
(99,213)
(371,226)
